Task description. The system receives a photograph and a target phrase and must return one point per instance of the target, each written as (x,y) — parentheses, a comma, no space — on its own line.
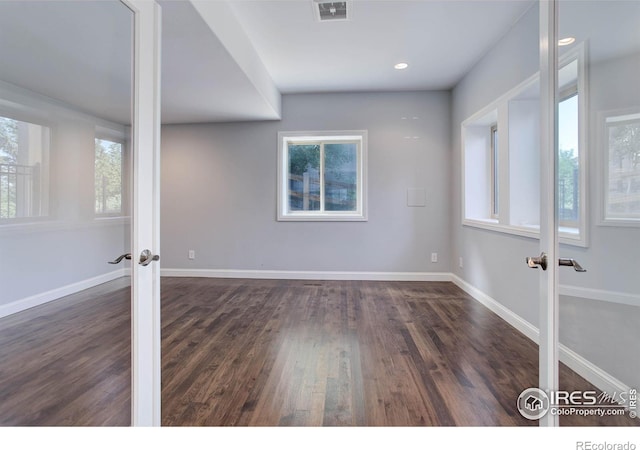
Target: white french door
(145,287)
(590,209)
(548,340)
(79,186)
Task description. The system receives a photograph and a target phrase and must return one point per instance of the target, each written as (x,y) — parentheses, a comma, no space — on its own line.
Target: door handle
(537,261)
(120,258)
(571,262)
(541,261)
(146,257)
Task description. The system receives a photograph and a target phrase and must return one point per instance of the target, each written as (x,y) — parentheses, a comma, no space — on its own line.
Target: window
(24,152)
(495,189)
(108,177)
(622,174)
(568,161)
(501,159)
(481,180)
(322,176)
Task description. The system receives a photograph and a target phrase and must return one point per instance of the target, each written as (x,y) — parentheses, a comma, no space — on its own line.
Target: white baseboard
(586,369)
(307,275)
(504,313)
(55,294)
(599,294)
(590,372)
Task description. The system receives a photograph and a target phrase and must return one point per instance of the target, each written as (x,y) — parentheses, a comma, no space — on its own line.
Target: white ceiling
(207,74)
(441,41)
(76,52)
(201,80)
(227,61)
(231,60)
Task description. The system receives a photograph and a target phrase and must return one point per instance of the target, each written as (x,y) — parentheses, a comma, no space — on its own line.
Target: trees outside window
(322,176)
(108,177)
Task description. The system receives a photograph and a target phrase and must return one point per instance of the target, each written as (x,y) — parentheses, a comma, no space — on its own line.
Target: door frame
(548,295)
(145,321)
(145,227)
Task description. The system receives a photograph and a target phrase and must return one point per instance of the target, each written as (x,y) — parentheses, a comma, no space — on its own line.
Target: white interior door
(145,318)
(548,341)
(65,167)
(79,146)
(590,212)
(598,208)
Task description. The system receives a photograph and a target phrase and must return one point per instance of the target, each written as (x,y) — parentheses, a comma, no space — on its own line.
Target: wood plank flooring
(68,362)
(276,353)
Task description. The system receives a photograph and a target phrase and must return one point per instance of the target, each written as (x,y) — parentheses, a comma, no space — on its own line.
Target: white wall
(219,189)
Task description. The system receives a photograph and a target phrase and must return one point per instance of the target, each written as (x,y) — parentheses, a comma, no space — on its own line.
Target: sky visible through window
(568,121)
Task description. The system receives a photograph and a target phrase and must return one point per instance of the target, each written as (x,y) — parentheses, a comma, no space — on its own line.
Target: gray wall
(605,333)
(494,262)
(70,245)
(219,189)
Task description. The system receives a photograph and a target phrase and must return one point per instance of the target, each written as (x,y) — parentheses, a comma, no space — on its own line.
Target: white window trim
(284,137)
(604,172)
(580,236)
(21,104)
(489,223)
(500,224)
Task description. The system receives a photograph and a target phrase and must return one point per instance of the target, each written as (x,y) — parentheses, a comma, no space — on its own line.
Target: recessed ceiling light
(401,66)
(566,41)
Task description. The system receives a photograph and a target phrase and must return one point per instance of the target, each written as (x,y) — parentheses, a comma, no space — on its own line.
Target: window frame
(571,233)
(484,118)
(605,219)
(285,138)
(45,195)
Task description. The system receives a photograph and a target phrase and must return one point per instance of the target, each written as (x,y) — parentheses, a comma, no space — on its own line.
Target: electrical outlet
(192,254)
(434,257)
(461,263)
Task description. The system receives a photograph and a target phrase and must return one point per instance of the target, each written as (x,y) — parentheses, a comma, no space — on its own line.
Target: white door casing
(145,302)
(548,344)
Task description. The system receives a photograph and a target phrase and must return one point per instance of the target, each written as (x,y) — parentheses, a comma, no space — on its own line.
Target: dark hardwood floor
(68,362)
(274,352)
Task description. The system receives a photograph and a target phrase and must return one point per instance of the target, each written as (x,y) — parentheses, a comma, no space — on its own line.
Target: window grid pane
(304,177)
(568,162)
(341,177)
(323,177)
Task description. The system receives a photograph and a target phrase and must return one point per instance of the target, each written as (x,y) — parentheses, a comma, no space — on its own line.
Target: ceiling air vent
(332,11)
